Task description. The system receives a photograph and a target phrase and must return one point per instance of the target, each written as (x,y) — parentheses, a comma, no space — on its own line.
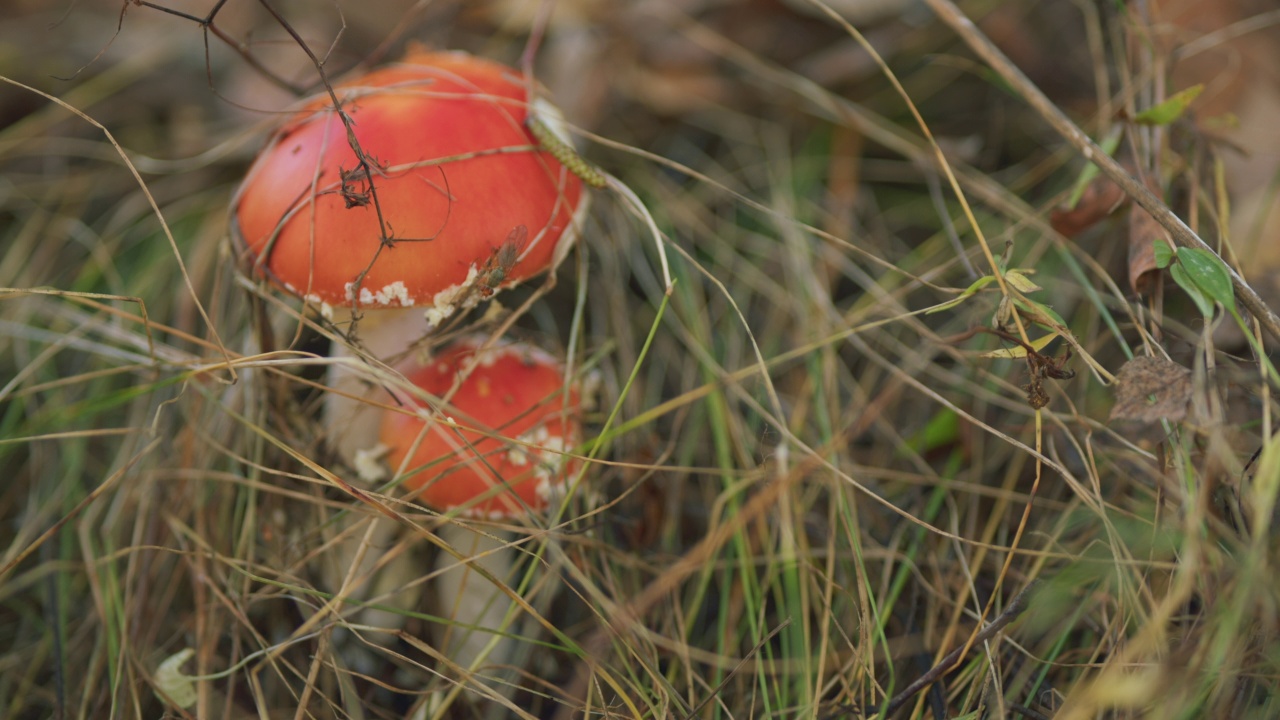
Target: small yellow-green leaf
(1169,110)
(176,685)
(1019,280)
(1019,351)
(1163,253)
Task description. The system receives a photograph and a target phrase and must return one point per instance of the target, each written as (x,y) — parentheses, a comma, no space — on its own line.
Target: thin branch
(209,26)
(953,658)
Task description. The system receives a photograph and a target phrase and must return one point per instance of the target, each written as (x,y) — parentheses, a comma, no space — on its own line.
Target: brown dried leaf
(1101,197)
(1150,388)
(1143,232)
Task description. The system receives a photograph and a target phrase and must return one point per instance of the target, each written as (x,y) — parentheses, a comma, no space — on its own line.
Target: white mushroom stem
(351,422)
(352,419)
(479,614)
(479,610)
(351,567)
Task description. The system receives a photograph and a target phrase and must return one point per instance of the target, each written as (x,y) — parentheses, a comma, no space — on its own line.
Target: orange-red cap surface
(469,203)
(513,460)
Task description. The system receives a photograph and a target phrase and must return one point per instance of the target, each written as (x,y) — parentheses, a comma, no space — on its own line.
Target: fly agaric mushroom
(449,199)
(423,193)
(502,456)
(510,459)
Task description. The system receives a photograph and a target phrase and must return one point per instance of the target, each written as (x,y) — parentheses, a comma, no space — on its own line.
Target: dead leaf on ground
(1150,388)
(1143,232)
(1101,197)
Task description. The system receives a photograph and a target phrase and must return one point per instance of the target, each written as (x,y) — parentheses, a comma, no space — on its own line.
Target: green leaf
(977,285)
(1164,254)
(1210,274)
(942,429)
(1019,280)
(946,305)
(1040,313)
(174,683)
(1169,110)
(1186,283)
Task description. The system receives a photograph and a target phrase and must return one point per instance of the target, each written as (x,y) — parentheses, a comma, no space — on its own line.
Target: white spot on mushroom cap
(454,298)
(552,457)
(550,450)
(552,486)
(526,354)
(394,294)
(326,310)
(517,457)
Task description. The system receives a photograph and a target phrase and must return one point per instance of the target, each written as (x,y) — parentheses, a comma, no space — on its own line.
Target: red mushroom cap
(470,203)
(511,458)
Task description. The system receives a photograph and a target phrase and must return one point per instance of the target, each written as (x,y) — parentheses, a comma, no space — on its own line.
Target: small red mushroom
(452,199)
(502,453)
(515,422)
